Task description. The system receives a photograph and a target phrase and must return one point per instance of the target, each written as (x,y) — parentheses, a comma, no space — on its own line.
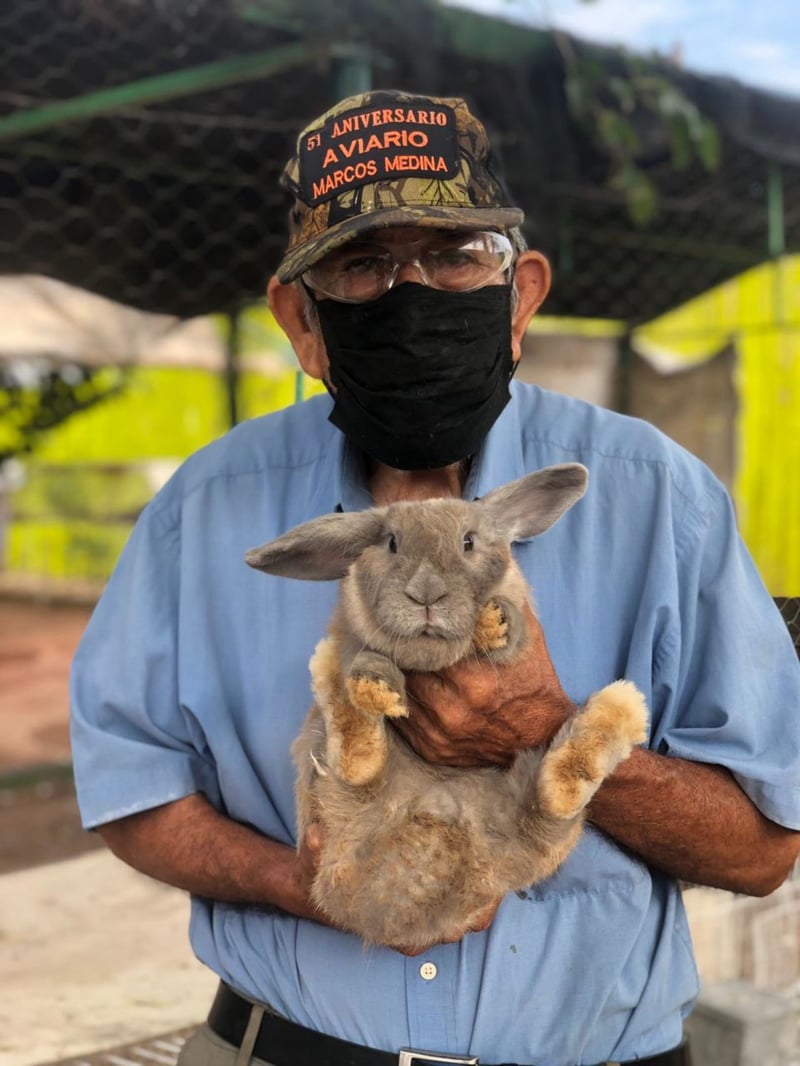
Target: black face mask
(421,375)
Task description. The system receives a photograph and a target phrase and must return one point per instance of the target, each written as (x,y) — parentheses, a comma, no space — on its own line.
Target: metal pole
(566,257)
(776,234)
(153,90)
(232,367)
(624,388)
(776,231)
(351,70)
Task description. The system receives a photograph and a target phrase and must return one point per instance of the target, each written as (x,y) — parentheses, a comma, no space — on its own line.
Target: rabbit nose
(426,586)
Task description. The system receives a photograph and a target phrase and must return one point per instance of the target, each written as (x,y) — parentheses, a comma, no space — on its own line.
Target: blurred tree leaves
(37,396)
(614,107)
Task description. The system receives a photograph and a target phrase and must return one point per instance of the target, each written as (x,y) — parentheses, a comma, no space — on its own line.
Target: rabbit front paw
(499,630)
(491,629)
(376,686)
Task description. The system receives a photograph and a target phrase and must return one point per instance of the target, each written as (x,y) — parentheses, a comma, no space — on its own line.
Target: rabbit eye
(469,542)
(393,544)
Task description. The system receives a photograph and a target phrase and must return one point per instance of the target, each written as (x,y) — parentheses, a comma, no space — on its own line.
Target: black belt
(284,1043)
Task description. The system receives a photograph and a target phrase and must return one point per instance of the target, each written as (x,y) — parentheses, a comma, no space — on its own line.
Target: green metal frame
(178,83)
(776,237)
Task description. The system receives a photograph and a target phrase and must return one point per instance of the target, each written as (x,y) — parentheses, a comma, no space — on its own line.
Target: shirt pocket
(595,865)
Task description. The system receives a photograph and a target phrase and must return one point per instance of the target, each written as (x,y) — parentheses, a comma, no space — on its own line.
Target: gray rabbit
(414,853)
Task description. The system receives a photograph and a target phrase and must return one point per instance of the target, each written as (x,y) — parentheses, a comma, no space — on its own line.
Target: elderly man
(407,290)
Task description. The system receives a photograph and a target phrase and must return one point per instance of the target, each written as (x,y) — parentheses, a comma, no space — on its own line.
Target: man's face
(441,258)
(291,303)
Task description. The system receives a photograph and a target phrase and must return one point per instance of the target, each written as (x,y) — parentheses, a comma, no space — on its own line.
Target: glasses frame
(509,253)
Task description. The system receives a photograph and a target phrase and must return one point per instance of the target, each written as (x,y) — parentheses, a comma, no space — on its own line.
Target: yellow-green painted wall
(760,312)
(88,477)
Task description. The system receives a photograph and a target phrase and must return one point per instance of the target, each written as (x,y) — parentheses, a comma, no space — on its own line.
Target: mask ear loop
(310,304)
(308,290)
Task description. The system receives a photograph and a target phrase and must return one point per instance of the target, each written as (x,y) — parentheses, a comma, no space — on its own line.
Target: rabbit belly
(413,857)
(416,858)
(417,882)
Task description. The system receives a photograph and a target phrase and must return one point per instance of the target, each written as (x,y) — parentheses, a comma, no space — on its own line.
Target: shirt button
(427,971)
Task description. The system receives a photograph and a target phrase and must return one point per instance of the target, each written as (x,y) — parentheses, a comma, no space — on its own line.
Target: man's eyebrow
(435,236)
(363,243)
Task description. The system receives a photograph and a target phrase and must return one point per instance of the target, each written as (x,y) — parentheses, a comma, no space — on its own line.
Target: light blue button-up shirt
(193,676)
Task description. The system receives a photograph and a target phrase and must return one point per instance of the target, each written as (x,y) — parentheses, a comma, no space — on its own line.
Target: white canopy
(45,317)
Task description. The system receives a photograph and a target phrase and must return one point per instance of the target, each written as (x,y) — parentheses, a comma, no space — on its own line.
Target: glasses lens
(468,262)
(354,273)
(458,262)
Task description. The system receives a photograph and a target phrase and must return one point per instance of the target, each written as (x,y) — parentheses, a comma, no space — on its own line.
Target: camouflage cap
(389,158)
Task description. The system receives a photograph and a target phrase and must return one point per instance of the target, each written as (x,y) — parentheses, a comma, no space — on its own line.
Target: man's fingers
(485,918)
(309,852)
(428,688)
(481,921)
(313,838)
(411,952)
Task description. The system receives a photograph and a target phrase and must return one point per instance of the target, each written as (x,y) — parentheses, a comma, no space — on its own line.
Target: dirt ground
(38,814)
(95,955)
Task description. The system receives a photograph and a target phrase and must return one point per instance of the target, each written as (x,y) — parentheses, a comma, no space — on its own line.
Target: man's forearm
(694,822)
(192,846)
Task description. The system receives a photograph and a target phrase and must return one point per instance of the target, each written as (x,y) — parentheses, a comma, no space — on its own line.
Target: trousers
(205,1048)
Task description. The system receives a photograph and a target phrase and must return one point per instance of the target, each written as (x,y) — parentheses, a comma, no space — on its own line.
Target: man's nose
(410,270)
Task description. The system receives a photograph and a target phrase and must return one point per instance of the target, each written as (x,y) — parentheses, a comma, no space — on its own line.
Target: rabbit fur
(413,853)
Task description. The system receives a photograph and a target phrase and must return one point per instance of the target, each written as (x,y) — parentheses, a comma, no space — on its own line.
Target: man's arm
(690,820)
(192,846)
(695,823)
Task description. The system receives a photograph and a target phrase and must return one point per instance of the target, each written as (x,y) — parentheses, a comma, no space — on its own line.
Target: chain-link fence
(140,147)
(790,609)
(141,142)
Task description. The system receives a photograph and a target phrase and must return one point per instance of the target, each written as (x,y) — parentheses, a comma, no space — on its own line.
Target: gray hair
(517,238)
(309,307)
(520,245)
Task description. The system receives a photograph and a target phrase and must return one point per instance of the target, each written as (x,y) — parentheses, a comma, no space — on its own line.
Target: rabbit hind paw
(357,746)
(598,739)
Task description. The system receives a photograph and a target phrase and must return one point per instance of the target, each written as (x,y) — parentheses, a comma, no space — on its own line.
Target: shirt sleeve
(726,672)
(134,747)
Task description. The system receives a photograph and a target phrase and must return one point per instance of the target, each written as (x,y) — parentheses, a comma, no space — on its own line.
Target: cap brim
(299,259)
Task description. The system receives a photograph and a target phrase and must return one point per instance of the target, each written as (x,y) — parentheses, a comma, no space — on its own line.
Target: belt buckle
(407,1056)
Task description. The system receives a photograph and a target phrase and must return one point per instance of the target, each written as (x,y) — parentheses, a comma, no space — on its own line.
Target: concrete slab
(161,1050)
(93,955)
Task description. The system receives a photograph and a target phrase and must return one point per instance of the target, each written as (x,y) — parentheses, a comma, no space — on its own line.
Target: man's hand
(478,713)
(480,922)
(304,870)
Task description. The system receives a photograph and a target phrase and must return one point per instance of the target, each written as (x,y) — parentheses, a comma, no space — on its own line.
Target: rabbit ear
(534,503)
(320,550)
